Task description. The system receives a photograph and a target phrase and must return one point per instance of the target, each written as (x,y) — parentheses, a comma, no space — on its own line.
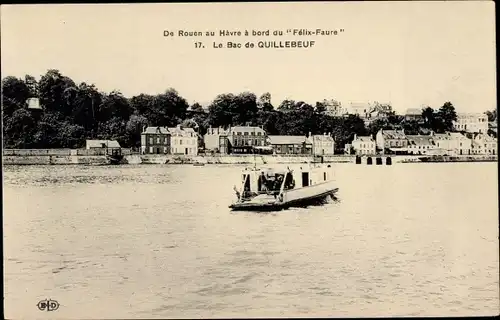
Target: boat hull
(303,201)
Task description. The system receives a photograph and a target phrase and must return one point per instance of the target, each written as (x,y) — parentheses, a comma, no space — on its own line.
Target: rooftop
(420,140)
(288,139)
(413,112)
(102,144)
(161,130)
(364,138)
(393,134)
(246,129)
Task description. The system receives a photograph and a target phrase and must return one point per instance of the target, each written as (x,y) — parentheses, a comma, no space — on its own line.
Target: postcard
(244,160)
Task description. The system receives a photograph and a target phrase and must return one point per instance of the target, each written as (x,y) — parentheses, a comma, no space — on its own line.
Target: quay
(92,157)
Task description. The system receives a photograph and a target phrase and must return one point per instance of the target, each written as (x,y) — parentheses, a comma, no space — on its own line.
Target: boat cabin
(274,181)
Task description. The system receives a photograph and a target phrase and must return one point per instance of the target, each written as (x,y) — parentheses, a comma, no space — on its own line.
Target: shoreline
(54,159)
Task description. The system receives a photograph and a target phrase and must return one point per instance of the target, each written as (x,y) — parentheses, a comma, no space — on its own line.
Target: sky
(405,53)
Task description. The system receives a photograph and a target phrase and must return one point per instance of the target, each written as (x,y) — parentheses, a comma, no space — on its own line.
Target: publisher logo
(48,305)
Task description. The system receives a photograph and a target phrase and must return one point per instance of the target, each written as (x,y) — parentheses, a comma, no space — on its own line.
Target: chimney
(355,136)
(310,133)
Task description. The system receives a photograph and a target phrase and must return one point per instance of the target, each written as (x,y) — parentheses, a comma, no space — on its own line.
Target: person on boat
(277,184)
(289,181)
(262,182)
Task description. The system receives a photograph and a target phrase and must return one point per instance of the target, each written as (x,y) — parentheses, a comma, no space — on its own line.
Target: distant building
(238,139)
(363,145)
(453,143)
(471,122)
(421,144)
(155,140)
(391,141)
(102,144)
(484,144)
(333,108)
(212,139)
(322,144)
(183,141)
(361,109)
(291,145)
(413,114)
(33,104)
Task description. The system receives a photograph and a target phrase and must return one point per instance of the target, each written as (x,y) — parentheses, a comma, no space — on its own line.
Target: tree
(196,107)
(15,92)
(320,107)
(492,115)
(428,115)
(56,93)
(18,129)
(447,115)
(286,105)
(264,102)
(134,128)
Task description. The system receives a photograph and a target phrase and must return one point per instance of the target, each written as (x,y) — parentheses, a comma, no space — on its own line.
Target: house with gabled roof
(364,145)
(421,144)
(391,141)
(290,144)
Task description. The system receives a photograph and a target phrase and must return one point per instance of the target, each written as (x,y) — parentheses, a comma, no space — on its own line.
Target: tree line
(72,113)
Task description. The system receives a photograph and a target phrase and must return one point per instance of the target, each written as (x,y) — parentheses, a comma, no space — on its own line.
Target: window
(151,149)
(246,133)
(158,140)
(180,142)
(253,133)
(239,133)
(258,133)
(151,140)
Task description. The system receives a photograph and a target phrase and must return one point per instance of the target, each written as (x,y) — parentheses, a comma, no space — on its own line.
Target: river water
(158,241)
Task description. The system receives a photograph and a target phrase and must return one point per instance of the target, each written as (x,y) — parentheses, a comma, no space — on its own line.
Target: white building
(212,137)
(471,122)
(453,143)
(421,144)
(484,144)
(361,109)
(322,144)
(364,145)
(334,108)
(183,141)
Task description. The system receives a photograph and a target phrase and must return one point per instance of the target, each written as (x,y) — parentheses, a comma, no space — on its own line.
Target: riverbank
(75,159)
(164,159)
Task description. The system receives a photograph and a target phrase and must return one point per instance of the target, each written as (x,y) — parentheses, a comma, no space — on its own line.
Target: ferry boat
(268,189)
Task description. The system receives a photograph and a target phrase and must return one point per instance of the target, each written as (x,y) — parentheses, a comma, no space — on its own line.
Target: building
(291,145)
(484,144)
(333,108)
(322,144)
(413,114)
(453,143)
(155,140)
(471,122)
(363,145)
(421,144)
(361,109)
(212,138)
(102,144)
(183,141)
(391,141)
(238,139)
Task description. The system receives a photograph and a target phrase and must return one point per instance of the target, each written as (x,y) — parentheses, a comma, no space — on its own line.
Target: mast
(253,150)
